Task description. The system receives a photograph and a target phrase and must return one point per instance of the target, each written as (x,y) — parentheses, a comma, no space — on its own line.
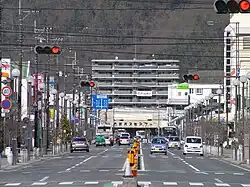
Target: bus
(141,133)
(170,131)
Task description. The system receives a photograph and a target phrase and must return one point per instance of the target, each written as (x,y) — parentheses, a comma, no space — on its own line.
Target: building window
(228,62)
(179,93)
(228,68)
(228,54)
(191,90)
(228,82)
(199,91)
(214,90)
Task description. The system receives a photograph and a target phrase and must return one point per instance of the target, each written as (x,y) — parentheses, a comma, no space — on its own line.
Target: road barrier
(132,165)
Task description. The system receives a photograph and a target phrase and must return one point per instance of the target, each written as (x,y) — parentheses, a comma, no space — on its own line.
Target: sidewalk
(227,156)
(5,165)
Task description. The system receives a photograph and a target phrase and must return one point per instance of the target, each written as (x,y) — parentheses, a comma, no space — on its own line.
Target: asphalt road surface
(103,167)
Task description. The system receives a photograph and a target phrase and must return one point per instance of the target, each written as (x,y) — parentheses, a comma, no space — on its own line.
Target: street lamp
(15,74)
(219,92)
(243,80)
(42,86)
(30,79)
(61,95)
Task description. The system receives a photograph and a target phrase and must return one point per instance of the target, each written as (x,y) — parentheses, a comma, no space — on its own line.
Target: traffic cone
(128,170)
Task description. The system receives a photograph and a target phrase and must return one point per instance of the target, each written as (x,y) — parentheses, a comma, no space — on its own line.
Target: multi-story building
(236,55)
(135,83)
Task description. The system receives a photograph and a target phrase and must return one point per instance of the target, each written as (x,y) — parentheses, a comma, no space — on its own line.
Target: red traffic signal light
(196,77)
(91,83)
(87,84)
(191,77)
(55,50)
(232,6)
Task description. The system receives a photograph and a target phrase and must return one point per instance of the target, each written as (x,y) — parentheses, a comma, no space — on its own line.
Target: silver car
(174,142)
(79,144)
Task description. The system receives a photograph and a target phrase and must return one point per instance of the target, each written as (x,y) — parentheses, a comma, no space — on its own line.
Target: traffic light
(49,50)
(191,77)
(232,6)
(87,83)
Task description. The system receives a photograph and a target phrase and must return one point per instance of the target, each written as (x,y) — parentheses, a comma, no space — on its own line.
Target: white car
(194,145)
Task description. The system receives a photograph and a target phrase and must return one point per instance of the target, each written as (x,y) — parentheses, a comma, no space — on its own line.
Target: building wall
(122,79)
(231,70)
(196,92)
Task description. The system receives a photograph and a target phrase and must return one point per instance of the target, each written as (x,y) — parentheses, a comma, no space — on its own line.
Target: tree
(65,128)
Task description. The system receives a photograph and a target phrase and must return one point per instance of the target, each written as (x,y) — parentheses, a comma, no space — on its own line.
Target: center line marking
(44,179)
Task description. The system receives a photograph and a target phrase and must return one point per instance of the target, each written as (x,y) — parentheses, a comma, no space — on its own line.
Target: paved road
(103,166)
(175,169)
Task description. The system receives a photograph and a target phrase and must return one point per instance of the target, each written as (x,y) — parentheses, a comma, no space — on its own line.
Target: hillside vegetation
(178,29)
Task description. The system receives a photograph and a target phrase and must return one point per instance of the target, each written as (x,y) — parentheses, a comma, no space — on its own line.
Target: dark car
(79,144)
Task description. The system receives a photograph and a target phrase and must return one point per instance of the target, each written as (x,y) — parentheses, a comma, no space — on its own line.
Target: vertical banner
(40,80)
(52,114)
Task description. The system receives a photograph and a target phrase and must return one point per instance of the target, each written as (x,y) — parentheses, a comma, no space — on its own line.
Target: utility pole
(2,125)
(57,100)
(19,100)
(74,80)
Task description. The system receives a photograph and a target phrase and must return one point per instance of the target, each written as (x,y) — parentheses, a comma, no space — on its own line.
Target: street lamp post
(30,81)
(61,95)
(15,74)
(54,92)
(75,102)
(41,129)
(243,80)
(219,92)
(211,96)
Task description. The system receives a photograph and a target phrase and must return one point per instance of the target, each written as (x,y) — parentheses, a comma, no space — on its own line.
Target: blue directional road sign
(100,102)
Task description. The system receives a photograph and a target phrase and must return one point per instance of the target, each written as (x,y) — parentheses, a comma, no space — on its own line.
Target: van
(193,145)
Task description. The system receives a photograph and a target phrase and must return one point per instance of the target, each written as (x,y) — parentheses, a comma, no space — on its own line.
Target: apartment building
(135,83)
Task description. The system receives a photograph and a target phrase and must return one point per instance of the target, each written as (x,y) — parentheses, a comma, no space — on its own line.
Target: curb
(41,159)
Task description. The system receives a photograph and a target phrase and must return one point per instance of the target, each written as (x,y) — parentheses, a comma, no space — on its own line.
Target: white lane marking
(39,184)
(170,183)
(44,179)
(26,172)
(104,170)
(171,153)
(193,167)
(238,174)
(12,184)
(196,184)
(176,157)
(142,158)
(102,152)
(222,184)
(201,172)
(124,165)
(144,182)
(219,173)
(92,182)
(218,180)
(245,185)
(68,169)
(117,182)
(65,183)
(77,164)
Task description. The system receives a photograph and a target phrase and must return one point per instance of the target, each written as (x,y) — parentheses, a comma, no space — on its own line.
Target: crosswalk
(119,183)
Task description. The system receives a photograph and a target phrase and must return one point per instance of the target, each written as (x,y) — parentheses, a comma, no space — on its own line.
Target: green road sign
(183,86)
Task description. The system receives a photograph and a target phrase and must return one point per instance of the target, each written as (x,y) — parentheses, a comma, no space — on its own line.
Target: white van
(193,144)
